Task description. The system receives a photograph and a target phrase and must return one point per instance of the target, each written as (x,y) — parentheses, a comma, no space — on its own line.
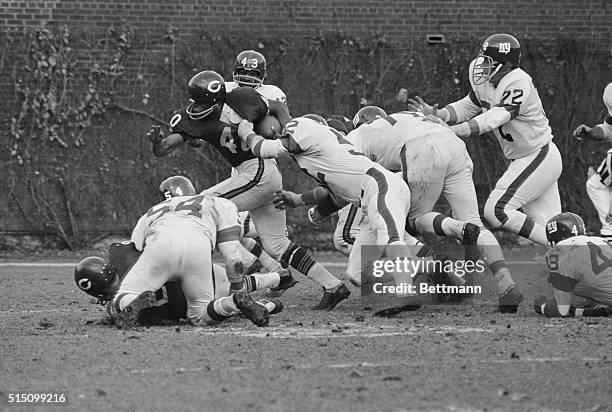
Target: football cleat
(469,234)
(331,299)
(510,300)
(131,314)
(256,313)
(286,281)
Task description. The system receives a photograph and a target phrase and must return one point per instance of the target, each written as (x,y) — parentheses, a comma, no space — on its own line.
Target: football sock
(224,306)
(266,260)
(263,280)
(439,224)
(525,226)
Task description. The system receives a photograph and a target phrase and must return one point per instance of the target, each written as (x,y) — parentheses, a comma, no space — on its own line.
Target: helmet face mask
(206,92)
(564,226)
(497,51)
(249,69)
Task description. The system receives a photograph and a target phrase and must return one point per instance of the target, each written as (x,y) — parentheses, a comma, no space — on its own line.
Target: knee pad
(298,258)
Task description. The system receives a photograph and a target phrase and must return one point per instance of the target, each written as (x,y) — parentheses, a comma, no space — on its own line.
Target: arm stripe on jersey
(562,283)
(381,205)
(474,99)
(228,234)
(452,114)
(500,206)
(346,230)
(254,182)
(474,128)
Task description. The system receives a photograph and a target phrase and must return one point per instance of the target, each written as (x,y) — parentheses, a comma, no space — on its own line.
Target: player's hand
(245,128)
(284,199)
(537,304)
(155,134)
(418,105)
(195,142)
(314,216)
(581,132)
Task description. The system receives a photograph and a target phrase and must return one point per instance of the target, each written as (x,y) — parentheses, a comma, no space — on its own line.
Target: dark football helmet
(177,186)
(206,92)
(316,118)
(96,277)
(563,226)
(368,114)
(496,51)
(250,68)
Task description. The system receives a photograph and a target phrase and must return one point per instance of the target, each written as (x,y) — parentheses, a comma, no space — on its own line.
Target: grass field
(449,358)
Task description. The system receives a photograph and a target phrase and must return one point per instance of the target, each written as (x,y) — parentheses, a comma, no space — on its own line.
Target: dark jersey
(220,129)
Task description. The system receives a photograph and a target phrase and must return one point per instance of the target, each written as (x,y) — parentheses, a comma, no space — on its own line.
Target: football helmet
(96,277)
(250,68)
(496,51)
(316,118)
(368,114)
(268,127)
(206,92)
(563,226)
(177,186)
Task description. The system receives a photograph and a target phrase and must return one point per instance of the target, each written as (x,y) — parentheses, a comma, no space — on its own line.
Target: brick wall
(398,19)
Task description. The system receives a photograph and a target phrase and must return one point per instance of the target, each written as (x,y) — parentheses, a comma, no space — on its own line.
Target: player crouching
(578,265)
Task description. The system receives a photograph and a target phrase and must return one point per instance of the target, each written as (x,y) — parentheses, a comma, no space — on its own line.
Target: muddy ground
(449,358)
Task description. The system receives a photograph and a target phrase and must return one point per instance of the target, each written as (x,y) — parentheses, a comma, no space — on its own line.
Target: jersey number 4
(599,261)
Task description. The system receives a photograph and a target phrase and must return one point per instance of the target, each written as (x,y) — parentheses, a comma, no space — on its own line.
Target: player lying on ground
(213,117)
(177,237)
(504,101)
(578,265)
(599,184)
(434,162)
(101,278)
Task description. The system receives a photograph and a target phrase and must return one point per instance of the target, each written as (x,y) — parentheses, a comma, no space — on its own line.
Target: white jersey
(215,217)
(340,167)
(512,111)
(269,91)
(382,140)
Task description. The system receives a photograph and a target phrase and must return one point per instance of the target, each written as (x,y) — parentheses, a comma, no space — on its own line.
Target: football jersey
(340,167)
(382,139)
(221,129)
(269,91)
(581,265)
(208,214)
(527,130)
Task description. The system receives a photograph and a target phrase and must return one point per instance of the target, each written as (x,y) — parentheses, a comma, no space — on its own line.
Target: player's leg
(525,180)
(460,193)
(138,287)
(192,264)
(347,228)
(271,226)
(601,196)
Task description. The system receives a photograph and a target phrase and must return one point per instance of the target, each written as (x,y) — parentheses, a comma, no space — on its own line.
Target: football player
(503,100)
(213,116)
(578,265)
(599,184)
(349,175)
(250,71)
(433,161)
(176,238)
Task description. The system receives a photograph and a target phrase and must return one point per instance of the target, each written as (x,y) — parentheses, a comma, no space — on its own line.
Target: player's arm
(260,147)
(139,233)
(601,133)
(285,198)
(453,113)
(162,145)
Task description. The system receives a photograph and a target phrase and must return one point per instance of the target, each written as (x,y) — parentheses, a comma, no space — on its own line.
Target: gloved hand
(581,132)
(245,128)
(419,105)
(284,199)
(155,134)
